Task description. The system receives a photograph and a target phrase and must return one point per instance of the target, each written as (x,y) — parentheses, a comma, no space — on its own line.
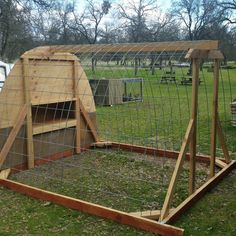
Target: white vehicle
(4,71)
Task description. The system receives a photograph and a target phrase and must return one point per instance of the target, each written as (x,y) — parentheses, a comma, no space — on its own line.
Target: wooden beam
(214,117)
(126,47)
(77,105)
(158,152)
(199,53)
(193,142)
(220,163)
(222,141)
(11,138)
(194,53)
(53,126)
(29,126)
(88,122)
(5,173)
(94,209)
(188,202)
(137,47)
(177,170)
(151,214)
(78,126)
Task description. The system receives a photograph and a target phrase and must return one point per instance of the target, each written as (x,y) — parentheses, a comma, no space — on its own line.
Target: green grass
(160,120)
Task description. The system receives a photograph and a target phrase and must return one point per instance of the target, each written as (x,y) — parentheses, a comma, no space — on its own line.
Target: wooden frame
(142,220)
(94,209)
(128,47)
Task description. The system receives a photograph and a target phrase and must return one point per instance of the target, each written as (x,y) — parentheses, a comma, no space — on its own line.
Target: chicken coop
(142,163)
(116,91)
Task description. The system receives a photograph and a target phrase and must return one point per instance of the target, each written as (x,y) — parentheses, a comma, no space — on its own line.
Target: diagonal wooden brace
(11,138)
(88,122)
(177,170)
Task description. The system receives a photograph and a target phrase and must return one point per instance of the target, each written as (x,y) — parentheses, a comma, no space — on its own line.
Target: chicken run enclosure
(142,162)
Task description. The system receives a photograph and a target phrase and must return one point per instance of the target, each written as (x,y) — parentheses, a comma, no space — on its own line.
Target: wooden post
(214,117)
(77,105)
(222,141)
(29,126)
(192,160)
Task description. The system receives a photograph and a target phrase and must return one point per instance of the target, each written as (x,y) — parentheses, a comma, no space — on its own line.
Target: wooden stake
(214,117)
(29,126)
(178,167)
(192,159)
(77,106)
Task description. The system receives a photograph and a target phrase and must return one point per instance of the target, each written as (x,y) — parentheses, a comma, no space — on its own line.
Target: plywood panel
(50,81)
(11,97)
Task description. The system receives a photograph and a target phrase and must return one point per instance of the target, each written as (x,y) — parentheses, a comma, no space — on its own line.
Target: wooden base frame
(145,220)
(94,209)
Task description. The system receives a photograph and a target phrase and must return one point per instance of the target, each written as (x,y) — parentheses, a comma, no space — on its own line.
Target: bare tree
(14,31)
(197,16)
(229,9)
(164,28)
(135,17)
(88,22)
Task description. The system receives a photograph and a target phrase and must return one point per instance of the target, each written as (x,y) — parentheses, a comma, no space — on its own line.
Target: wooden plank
(77,117)
(194,53)
(5,173)
(199,53)
(214,117)
(151,214)
(46,101)
(29,126)
(177,170)
(215,54)
(88,122)
(53,125)
(11,138)
(43,160)
(77,105)
(11,96)
(94,209)
(134,47)
(188,202)
(222,141)
(158,152)
(220,163)
(193,143)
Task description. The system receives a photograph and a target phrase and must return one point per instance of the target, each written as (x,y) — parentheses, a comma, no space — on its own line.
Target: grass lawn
(159,121)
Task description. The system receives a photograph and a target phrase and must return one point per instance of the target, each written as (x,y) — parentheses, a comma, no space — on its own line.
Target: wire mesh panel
(87,102)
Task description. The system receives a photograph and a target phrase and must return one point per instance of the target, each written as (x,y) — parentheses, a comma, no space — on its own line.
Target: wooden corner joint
(5,173)
(204,54)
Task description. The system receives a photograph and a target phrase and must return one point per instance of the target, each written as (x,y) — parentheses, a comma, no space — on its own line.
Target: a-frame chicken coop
(48,103)
(47,112)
